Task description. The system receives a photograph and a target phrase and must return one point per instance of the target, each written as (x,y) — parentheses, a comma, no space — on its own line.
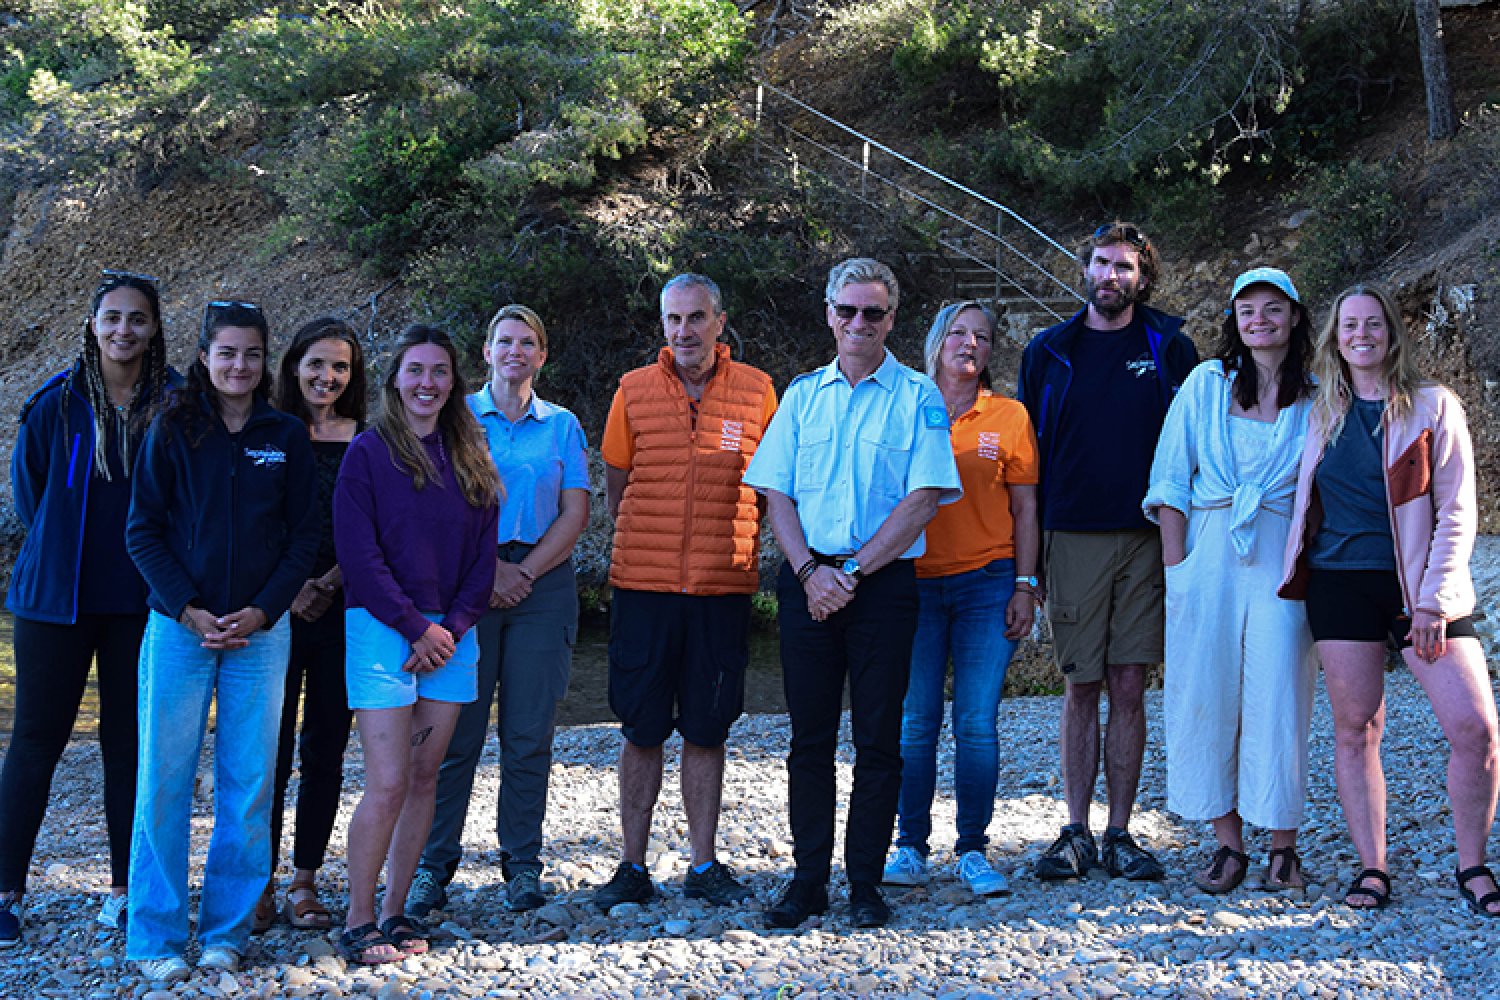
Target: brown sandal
(1285,875)
(1219,880)
(265,911)
(306,914)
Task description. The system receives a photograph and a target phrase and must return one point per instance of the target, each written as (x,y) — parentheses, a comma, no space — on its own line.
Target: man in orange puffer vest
(686,560)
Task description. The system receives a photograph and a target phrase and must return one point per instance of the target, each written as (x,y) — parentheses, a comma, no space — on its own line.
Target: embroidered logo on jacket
(731,433)
(270,455)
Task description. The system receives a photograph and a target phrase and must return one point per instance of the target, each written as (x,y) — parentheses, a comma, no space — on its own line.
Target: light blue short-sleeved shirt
(538,456)
(847,455)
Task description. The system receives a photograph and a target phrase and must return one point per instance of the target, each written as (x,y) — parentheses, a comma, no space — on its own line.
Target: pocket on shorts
(1062,614)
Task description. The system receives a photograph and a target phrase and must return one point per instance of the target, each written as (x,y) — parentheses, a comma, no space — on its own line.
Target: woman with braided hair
(76,595)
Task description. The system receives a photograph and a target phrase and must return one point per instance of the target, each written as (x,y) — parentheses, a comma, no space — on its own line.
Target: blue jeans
(178,679)
(962,616)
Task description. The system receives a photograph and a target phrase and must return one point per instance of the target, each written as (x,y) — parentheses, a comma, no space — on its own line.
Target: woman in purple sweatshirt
(414,517)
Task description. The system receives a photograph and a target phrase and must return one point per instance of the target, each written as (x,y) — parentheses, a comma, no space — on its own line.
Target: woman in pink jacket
(1383,527)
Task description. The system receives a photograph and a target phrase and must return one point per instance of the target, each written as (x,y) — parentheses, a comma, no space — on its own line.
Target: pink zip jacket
(1429,491)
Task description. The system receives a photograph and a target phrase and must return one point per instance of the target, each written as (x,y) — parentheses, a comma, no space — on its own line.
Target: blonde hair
(1335,387)
(461,434)
(521,314)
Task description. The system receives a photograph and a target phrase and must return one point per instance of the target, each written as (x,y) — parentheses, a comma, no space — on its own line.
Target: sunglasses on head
(112,277)
(217,307)
(1128,233)
(872,314)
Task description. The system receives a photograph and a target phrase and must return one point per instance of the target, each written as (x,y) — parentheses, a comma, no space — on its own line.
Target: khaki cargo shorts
(1105,600)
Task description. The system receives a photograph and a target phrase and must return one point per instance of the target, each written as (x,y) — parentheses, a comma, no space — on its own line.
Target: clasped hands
(828,590)
(232,631)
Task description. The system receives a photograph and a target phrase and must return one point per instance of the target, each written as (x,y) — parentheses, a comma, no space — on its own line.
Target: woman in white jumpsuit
(1239,672)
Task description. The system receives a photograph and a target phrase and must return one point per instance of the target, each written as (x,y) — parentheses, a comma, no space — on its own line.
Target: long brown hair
(461,434)
(1336,389)
(351,402)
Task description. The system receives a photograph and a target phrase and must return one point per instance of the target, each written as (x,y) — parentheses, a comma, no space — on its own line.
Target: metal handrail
(866,172)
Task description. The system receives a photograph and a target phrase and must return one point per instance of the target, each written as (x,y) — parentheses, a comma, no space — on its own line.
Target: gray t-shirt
(1356,528)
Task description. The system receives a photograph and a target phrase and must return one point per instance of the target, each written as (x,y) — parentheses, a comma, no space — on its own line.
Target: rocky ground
(1084,940)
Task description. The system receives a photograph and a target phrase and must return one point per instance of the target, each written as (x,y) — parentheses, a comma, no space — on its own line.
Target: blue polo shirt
(538,456)
(848,454)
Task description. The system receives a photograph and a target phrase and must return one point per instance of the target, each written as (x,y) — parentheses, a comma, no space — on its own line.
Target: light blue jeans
(178,679)
(963,617)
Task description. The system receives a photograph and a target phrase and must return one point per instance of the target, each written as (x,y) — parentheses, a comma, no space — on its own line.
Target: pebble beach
(1088,939)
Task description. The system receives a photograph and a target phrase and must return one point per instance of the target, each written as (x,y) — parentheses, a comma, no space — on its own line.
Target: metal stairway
(988,250)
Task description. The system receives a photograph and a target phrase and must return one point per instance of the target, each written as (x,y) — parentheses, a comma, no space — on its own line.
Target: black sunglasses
(1129,233)
(112,277)
(872,314)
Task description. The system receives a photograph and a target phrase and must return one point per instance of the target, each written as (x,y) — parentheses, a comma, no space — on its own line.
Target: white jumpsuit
(1239,661)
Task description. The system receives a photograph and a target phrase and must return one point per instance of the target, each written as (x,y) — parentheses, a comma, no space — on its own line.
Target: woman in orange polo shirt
(976,585)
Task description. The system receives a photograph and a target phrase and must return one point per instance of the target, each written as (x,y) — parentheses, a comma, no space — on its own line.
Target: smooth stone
(297,976)
(678,928)
(1230,919)
(557,915)
(740,936)
(621,911)
(228,985)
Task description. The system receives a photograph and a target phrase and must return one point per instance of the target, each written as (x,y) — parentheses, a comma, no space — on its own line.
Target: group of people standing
(208,543)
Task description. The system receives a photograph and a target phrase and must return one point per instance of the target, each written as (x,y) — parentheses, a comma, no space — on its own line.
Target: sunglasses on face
(872,314)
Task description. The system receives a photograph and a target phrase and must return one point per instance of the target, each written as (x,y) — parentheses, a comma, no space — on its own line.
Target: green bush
(1357,216)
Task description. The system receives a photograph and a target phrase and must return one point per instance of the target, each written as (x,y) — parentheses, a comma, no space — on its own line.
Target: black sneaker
(716,883)
(523,890)
(630,884)
(1071,855)
(1124,858)
(426,893)
(10,922)
(801,900)
(867,907)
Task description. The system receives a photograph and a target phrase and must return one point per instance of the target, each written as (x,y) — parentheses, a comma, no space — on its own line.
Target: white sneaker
(906,867)
(173,969)
(219,956)
(112,913)
(982,880)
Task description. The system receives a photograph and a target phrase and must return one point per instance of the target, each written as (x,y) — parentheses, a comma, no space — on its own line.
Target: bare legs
(403,750)
(1458,687)
(702,777)
(1124,743)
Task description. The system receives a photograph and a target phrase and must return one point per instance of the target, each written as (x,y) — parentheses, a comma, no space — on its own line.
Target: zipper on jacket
(692,473)
(1390,510)
(236,447)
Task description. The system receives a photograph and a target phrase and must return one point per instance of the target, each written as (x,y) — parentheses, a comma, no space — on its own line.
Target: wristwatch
(851,569)
(1030,581)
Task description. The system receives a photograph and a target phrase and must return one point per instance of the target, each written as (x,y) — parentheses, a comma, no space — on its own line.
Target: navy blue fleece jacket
(228,524)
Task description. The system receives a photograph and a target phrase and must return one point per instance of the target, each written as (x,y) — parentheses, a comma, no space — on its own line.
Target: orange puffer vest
(688,524)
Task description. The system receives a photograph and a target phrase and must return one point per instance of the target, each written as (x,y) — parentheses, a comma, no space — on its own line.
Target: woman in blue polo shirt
(526,638)
(76,595)
(224,527)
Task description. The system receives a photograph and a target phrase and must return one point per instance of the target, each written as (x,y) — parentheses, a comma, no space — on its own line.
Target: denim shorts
(372,667)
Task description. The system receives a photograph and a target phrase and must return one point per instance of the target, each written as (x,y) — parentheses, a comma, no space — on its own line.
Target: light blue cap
(1264,276)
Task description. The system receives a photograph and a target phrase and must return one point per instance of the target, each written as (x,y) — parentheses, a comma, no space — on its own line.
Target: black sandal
(404,934)
(1291,864)
(356,944)
(1479,904)
(1358,888)
(1215,881)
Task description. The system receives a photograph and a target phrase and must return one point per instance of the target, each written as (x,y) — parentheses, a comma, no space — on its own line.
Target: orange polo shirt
(995,447)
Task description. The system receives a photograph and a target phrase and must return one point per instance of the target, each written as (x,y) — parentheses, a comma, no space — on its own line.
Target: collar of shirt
(538,409)
(885,376)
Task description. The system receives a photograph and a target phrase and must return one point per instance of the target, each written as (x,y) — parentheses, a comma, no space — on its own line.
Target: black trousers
(869,641)
(317,659)
(52,670)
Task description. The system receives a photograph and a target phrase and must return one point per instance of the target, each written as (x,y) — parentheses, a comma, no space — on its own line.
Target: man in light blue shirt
(853,466)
